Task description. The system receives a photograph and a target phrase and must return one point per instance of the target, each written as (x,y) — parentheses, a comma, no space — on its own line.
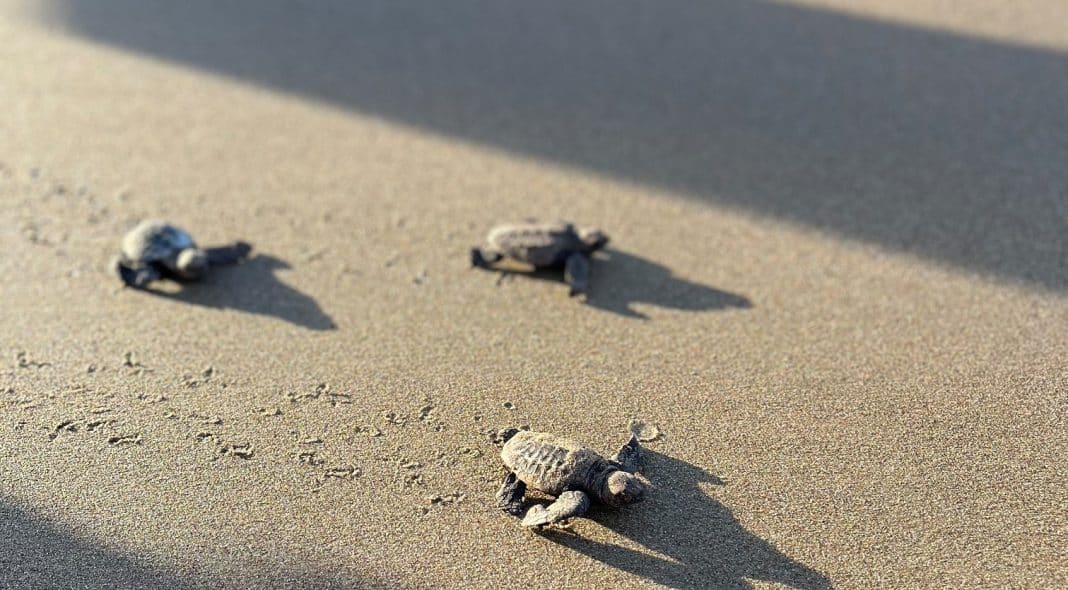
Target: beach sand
(837,283)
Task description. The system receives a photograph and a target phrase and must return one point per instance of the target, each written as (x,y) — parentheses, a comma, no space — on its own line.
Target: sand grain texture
(836,286)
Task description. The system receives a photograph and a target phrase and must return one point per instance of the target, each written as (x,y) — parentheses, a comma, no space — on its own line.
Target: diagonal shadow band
(39,553)
(252,287)
(937,144)
(620,279)
(704,545)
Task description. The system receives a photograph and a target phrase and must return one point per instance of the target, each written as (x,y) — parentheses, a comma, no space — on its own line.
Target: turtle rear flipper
(629,455)
(227,255)
(568,504)
(137,277)
(577,273)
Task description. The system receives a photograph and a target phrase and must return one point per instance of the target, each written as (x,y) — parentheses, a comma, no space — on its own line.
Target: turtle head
(622,488)
(593,239)
(192,263)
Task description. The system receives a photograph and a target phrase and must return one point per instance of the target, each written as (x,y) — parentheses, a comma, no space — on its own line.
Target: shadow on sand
(620,279)
(943,145)
(252,287)
(36,553)
(704,544)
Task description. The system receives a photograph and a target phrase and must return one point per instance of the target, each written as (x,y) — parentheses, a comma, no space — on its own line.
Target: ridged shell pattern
(538,244)
(548,463)
(155,240)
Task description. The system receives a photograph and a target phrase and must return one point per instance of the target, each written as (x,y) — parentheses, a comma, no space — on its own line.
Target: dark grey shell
(539,244)
(549,463)
(154,241)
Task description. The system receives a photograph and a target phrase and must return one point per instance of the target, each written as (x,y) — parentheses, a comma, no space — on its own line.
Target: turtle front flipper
(577,273)
(484,258)
(227,255)
(629,455)
(138,277)
(568,504)
(510,496)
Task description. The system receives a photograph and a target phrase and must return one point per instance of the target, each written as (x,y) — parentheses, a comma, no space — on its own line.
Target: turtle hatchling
(155,250)
(544,246)
(570,471)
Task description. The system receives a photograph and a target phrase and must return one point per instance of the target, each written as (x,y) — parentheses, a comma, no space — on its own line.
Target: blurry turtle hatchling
(544,246)
(156,250)
(567,470)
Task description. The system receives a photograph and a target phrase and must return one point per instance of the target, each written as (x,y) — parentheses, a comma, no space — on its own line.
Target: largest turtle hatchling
(571,472)
(155,249)
(544,246)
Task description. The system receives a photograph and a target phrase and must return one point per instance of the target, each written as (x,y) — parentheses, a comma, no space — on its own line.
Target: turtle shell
(153,241)
(539,244)
(548,463)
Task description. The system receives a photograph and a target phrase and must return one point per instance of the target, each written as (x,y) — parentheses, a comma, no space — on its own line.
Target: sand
(836,286)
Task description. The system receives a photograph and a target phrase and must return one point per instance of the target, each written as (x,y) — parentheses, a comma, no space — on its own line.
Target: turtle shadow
(703,544)
(252,287)
(619,279)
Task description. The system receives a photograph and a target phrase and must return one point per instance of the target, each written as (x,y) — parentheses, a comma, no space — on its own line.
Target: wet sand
(846,316)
